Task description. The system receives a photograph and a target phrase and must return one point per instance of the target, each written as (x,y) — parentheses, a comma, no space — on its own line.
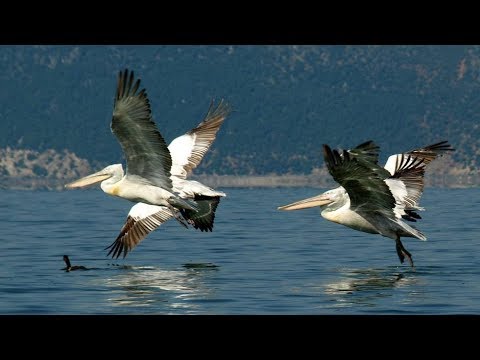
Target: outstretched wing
(188,150)
(145,150)
(409,169)
(141,220)
(367,151)
(205,216)
(426,154)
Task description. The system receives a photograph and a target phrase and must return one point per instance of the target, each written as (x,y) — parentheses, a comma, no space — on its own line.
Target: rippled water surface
(258,260)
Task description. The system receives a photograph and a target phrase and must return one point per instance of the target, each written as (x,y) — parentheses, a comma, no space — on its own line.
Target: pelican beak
(89,180)
(318,200)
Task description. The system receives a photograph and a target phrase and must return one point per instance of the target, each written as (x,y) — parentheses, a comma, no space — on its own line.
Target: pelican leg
(402,252)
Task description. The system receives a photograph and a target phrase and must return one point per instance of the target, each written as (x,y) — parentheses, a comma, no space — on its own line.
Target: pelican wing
(141,220)
(204,218)
(426,154)
(365,185)
(367,151)
(430,152)
(145,150)
(407,182)
(188,150)
(409,168)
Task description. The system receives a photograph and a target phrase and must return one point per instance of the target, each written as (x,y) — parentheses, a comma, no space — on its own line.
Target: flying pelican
(372,198)
(147,178)
(187,151)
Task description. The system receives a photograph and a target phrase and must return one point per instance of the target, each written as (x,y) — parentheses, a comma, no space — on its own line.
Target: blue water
(267,261)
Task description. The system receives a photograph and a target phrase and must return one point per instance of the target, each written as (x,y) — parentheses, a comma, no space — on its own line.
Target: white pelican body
(373,199)
(337,208)
(345,216)
(133,190)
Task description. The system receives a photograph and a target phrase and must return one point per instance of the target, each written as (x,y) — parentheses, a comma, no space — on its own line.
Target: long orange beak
(88,180)
(318,200)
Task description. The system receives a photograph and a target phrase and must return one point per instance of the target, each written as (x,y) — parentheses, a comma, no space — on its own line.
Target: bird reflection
(364,286)
(147,286)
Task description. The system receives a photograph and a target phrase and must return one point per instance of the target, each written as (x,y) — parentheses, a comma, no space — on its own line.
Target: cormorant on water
(70,267)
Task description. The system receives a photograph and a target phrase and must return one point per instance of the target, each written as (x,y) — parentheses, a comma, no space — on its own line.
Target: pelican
(186,151)
(147,178)
(375,199)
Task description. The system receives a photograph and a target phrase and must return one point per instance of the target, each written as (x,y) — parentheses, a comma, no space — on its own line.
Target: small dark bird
(70,267)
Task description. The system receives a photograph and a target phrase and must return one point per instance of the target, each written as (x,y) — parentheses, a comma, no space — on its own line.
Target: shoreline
(447,180)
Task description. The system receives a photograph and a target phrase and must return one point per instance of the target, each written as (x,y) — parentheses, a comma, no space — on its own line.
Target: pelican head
(327,198)
(114,171)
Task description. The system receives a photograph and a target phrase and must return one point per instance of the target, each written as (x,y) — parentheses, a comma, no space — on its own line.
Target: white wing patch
(181,149)
(407,172)
(188,150)
(394,162)
(399,192)
(141,210)
(141,220)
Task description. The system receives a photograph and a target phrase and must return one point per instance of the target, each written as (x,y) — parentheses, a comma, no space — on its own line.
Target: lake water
(267,261)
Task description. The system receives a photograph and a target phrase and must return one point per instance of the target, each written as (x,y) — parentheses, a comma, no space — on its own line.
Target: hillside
(288,100)
(51,170)
(30,169)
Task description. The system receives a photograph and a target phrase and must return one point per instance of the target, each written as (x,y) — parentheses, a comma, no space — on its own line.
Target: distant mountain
(30,169)
(288,100)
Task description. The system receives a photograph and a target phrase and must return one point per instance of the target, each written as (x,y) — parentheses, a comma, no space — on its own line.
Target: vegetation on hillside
(287,100)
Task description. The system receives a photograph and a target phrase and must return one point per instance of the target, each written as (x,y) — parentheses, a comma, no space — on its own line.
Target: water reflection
(142,287)
(367,286)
